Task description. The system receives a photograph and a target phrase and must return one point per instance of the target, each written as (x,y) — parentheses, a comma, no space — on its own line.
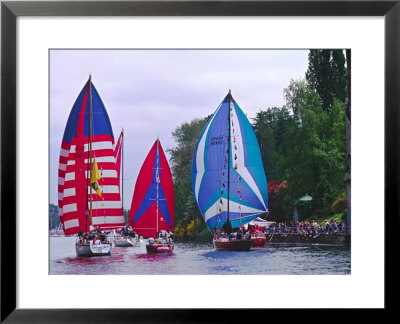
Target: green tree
(54,219)
(327,74)
(314,159)
(186,210)
(270,126)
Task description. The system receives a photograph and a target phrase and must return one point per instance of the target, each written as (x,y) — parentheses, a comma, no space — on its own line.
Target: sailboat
(228,178)
(88,188)
(153,203)
(124,236)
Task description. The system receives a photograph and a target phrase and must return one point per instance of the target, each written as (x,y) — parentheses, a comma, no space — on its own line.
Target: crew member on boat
(169,236)
(227,227)
(217,232)
(239,234)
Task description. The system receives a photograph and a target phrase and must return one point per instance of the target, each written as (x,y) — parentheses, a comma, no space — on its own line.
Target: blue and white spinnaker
(228,178)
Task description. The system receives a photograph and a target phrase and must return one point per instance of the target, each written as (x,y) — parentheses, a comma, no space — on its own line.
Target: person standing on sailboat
(227,227)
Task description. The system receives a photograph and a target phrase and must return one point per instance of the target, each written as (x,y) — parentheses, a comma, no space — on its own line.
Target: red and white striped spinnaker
(82,172)
(118,154)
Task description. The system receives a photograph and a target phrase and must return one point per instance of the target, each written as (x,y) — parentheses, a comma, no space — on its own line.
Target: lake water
(203,259)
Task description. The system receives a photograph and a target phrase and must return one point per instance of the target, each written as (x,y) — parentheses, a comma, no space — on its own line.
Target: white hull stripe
(69,192)
(100,220)
(72,192)
(233,207)
(106,189)
(106,204)
(103,159)
(71,223)
(104,174)
(69,208)
(64,153)
(70,176)
(95,146)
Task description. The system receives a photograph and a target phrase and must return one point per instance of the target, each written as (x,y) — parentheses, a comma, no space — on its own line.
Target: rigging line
(87,179)
(90,146)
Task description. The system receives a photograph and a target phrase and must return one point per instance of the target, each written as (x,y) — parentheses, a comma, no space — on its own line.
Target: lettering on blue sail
(217,140)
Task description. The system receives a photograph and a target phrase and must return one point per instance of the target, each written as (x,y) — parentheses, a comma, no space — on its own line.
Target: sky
(150,93)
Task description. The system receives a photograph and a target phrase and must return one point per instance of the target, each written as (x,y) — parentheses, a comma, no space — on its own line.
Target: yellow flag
(95,177)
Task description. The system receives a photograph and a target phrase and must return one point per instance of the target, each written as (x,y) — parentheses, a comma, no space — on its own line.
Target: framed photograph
(155,70)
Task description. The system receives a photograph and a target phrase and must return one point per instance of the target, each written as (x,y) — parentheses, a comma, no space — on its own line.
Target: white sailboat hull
(89,250)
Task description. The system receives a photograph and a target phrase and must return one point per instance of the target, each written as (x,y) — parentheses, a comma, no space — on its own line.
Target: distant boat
(128,240)
(228,178)
(57,232)
(88,187)
(153,202)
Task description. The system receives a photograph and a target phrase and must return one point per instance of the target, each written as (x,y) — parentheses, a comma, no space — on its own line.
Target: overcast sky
(152,92)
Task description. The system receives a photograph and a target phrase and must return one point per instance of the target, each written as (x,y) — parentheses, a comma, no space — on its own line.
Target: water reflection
(203,259)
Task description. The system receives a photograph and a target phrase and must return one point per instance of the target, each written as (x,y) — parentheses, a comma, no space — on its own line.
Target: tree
(347,110)
(186,209)
(314,147)
(327,74)
(270,126)
(54,220)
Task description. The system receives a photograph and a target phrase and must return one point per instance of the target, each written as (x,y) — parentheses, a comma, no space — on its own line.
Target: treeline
(303,147)
(189,223)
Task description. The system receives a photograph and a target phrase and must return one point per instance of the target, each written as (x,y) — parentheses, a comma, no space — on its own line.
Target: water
(202,259)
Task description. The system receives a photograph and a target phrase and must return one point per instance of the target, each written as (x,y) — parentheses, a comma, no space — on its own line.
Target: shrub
(339,206)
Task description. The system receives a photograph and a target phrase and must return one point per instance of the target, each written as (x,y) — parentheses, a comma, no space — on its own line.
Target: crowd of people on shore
(307,228)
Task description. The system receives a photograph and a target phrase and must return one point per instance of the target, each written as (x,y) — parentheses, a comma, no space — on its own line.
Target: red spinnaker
(153,202)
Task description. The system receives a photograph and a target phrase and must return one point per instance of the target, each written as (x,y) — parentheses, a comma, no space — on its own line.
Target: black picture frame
(10,10)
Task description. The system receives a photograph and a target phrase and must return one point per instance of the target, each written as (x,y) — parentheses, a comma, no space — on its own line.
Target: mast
(229,147)
(90,147)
